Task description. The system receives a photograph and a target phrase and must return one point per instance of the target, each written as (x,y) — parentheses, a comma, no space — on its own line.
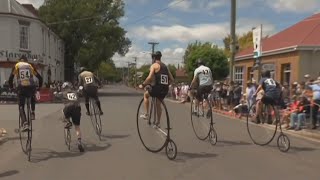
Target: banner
(257,37)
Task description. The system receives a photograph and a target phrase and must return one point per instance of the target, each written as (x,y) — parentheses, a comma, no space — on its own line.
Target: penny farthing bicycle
(154,127)
(26,136)
(261,130)
(202,120)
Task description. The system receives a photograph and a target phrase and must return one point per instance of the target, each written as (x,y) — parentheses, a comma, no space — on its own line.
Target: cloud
(35,3)
(169,56)
(214,32)
(298,6)
(181,33)
(196,5)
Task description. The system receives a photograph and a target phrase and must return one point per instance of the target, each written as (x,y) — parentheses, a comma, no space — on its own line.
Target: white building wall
(43,46)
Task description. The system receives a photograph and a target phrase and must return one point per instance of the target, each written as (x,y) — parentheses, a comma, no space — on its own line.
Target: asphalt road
(121,156)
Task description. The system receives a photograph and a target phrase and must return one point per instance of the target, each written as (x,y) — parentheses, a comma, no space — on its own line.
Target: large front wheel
(201,117)
(153,124)
(260,128)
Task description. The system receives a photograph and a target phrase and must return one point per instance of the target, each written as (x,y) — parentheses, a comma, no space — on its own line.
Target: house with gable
(289,54)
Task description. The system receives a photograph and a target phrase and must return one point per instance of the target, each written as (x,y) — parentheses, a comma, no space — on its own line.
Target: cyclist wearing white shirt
(203,76)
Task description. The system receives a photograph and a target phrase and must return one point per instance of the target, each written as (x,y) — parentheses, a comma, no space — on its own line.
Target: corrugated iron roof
(304,33)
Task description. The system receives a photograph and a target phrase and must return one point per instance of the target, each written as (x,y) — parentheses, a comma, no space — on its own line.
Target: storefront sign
(5,54)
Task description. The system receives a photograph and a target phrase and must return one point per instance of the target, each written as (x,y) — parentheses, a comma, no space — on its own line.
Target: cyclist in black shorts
(159,77)
(72,109)
(272,93)
(90,84)
(26,86)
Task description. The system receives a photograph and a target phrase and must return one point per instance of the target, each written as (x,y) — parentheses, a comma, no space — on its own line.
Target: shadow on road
(183,156)
(223,143)
(111,136)
(294,149)
(39,155)
(8,173)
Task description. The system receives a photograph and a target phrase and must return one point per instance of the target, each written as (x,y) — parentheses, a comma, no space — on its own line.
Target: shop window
(238,75)
(24,37)
(285,73)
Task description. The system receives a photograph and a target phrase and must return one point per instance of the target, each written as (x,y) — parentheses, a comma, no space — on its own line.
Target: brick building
(289,54)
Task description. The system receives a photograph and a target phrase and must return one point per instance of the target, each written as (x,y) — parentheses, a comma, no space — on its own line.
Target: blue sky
(186,21)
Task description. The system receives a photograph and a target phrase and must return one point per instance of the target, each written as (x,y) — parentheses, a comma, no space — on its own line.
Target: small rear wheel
(171,150)
(283,143)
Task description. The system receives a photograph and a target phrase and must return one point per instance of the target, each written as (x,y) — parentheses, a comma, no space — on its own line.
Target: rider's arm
(194,80)
(35,72)
(97,80)
(79,80)
(258,89)
(11,77)
(149,78)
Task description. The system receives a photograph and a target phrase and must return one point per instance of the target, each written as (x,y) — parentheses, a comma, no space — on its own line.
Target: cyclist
(72,109)
(90,84)
(272,93)
(159,77)
(202,77)
(26,86)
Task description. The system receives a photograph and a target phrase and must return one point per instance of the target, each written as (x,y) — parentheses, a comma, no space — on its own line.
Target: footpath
(310,134)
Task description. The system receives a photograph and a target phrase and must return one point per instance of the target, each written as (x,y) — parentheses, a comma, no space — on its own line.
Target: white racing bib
(24,74)
(88,80)
(164,79)
(72,96)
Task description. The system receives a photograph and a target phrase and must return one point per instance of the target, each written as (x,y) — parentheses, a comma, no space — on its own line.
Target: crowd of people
(299,105)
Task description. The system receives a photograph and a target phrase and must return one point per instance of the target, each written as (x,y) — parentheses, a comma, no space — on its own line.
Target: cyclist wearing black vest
(272,93)
(159,78)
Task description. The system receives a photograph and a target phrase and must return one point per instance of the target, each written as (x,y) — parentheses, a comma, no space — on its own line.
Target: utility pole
(128,80)
(233,38)
(135,76)
(153,44)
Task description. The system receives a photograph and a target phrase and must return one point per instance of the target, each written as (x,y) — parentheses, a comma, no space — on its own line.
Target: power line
(134,22)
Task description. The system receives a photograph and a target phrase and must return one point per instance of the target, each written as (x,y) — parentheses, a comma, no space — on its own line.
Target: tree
(245,41)
(108,71)
(214,58)
(172,69)
(90,30)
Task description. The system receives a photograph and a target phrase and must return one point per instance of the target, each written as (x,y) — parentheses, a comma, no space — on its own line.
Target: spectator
(315,87)
(286,93)
(298,114)
(237,92)
(250,90)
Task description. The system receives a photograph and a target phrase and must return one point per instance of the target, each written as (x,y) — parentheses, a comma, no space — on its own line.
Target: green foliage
(214,57)
(172,69)
(108,71)
(245,41)
(89,29)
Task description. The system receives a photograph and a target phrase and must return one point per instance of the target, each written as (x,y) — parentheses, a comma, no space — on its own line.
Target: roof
(305,33)
(13,7)
(31,8)
(181,73)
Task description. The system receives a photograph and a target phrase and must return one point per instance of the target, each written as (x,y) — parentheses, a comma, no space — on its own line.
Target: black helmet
(157,54)
(82,69)
(266,74)
(200,62)
(24,58)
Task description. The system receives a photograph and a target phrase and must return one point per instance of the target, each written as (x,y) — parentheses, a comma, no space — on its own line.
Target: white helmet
(66,85)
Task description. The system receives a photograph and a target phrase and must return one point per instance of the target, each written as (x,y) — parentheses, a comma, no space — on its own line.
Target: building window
(238,75)
(24,37)
(285,73)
